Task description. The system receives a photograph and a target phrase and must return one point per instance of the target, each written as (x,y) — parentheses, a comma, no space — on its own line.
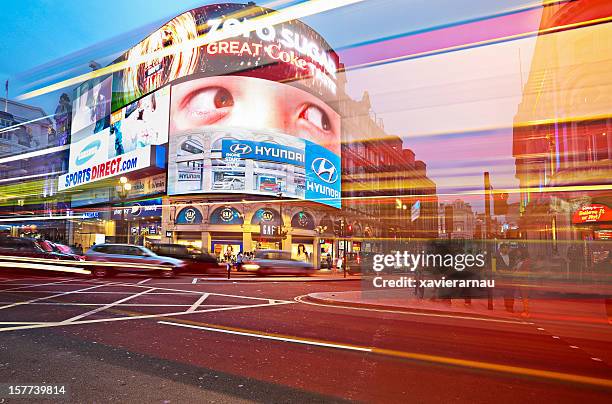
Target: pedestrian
(239,259)
(523,267)
(329,261)
(339,264)
(505,267)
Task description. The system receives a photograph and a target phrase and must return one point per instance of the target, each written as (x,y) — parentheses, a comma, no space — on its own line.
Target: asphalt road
(136,339)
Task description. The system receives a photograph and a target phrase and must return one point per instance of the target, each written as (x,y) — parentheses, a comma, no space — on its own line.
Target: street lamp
(123,191)
(283,233)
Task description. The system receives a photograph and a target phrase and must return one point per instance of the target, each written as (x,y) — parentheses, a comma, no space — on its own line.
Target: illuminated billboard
(248,113)
(92,105)
(139,125)
(290,51)
(234,134)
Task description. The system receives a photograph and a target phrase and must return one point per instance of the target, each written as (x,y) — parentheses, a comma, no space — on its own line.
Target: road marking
(465,363)
(197,303)
(573,347)
(410,313)
(555,337)
(49,297)
(23,322)
(266,336)
(597,359)
(121,304)
(36,285)
(194,281)
(199,293)
(136,316)
(106,306)
(143,281)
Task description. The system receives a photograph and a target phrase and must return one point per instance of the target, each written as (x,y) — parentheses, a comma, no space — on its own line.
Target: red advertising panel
(592,214)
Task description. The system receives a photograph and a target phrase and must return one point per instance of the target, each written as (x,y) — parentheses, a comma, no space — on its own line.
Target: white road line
(143,281)
(23,322)
(199,292)
(110,293)
(194,281)
(197,303)
(142,317)
(49,297)
(410,313)
(106,306)
(573,347)
(36,285)
(263,336)
(597,359)
(121,304)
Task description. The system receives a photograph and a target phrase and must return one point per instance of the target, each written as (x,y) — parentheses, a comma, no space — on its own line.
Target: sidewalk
(585,310)
(317,276)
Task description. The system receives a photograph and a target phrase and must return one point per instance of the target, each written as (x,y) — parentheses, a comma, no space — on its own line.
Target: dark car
(130,258)
(195,260)
(29,247)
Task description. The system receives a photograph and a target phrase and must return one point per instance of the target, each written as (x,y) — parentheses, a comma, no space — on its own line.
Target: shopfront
(138,222)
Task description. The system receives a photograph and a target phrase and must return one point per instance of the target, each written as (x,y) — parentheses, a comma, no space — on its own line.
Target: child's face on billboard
(254,104)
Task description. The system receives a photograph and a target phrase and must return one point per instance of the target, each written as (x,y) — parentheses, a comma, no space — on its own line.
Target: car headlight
(250,267)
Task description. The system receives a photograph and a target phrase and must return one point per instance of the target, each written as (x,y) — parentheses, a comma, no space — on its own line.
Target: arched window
(303,220)
(226,215)
(189,215)
(267,216)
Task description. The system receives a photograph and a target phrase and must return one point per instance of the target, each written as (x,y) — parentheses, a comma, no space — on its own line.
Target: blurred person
(523,267)
(339,264)
(575,257)
(239,260)
(505,267)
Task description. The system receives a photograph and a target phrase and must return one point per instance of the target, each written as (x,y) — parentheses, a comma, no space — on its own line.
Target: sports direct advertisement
(245,135)
(136,160)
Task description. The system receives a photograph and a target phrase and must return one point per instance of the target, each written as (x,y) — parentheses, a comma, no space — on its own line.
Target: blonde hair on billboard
(182,60)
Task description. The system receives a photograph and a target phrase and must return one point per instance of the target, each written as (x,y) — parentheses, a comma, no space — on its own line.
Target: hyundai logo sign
(325,170)
(240,148)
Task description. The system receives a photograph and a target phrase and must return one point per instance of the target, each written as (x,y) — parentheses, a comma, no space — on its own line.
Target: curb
(339,303)
(264,279)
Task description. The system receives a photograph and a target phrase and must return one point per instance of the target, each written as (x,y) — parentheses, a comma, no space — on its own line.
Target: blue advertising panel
(323,183)
(262,151)
(139,209)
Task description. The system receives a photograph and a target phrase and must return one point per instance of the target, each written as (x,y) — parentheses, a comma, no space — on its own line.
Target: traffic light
(500,203)
(349,230)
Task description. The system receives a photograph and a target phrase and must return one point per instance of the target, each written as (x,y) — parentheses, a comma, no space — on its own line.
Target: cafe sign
(592,214)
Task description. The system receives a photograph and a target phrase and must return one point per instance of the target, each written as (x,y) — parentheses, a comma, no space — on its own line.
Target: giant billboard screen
(248,113)
(236,134)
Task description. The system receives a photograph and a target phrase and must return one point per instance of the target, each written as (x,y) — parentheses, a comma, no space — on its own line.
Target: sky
(429,100)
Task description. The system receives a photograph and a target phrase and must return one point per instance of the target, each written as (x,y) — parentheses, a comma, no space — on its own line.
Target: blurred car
(195,260)
(277,262)
(131,256)
(228,184)
(62,250)
(29,247)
